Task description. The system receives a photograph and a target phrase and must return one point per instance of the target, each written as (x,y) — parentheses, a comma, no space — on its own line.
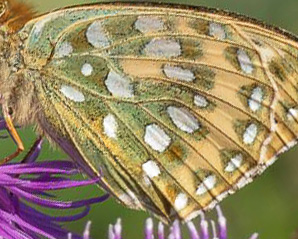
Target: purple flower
(31,182)
(195,232)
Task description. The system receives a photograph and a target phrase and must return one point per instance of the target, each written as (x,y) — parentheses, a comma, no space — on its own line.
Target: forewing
(177,108)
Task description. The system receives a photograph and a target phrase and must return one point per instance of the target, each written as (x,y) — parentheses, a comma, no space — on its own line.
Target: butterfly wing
(176,107)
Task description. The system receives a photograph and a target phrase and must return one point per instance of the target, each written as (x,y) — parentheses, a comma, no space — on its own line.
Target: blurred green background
(269,205)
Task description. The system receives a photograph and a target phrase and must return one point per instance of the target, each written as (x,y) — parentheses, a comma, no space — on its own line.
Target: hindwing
(176,107)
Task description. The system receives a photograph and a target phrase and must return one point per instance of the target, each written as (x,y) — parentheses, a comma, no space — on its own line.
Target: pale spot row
(156,138)
(244,61)
(163,48)
(201,101)
(271,161)
(178,73)
(243,182)
(212,205)
(223,195)
(151,169)
(96,35)
(146,24)
(250,134)
(65,49)
(234,163)
(255,99)
(193,215)
(181,201)
(254,171)
(110,126)
(87,69)
(217,30)
(183,119)
(248,177)
(207,184)
(72,93)
(284,149)
(118,85)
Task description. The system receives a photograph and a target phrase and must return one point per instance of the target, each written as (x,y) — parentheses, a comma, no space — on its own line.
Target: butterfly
(175,107)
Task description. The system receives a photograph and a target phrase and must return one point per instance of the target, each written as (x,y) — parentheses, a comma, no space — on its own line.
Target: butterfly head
(13,16)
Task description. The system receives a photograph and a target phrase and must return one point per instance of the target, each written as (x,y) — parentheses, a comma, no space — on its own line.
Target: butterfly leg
(14,134)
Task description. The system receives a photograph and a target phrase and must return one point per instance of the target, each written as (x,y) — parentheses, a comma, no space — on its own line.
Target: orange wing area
(14,15)
(178,108)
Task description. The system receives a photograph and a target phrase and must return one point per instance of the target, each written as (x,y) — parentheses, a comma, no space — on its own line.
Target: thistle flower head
(201,231)
(29,182)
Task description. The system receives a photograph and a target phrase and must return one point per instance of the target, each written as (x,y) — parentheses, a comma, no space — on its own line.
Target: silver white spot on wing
(268,53)
(110,126)
(65,49)
(176,72)
(163,48)
(147,180)
(146,24)
(118,85)
(234,163)
(292,114)
(250,134)
(181,201)
(87,69)
(151,169)
(156,138)
(183,119)
(244,61)
(96,35)
(72,93)
(255,99)
(217,30)
(39,25)
(200,101)
(207,184)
